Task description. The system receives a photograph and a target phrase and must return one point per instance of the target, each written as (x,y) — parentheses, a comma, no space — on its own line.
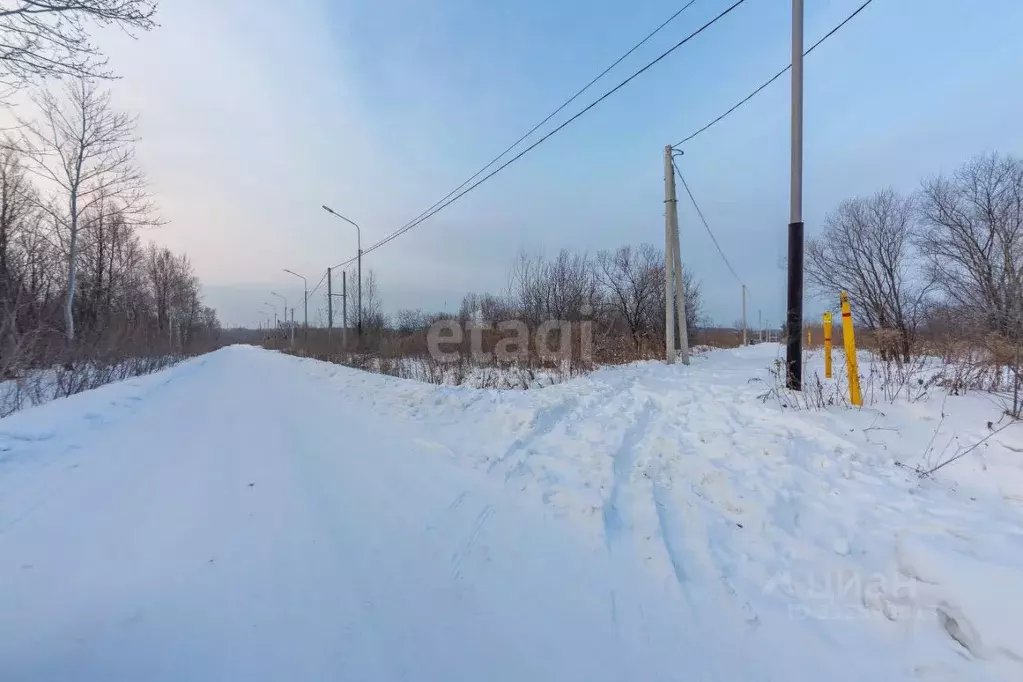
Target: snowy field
(252,516)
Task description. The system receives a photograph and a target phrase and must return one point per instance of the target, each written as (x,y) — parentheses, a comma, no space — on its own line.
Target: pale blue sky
(255,113)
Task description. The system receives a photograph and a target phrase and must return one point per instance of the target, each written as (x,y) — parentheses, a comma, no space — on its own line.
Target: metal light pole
(358,234)
(794,320)
(273,332)
(274,293)
(305,300)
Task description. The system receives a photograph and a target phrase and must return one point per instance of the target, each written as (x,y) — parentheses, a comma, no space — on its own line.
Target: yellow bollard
(827,345)
(849,341)
(809,338)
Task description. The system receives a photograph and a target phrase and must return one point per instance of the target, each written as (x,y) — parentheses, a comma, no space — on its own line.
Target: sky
(253,114)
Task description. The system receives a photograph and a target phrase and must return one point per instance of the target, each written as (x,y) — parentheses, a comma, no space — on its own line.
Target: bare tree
(528,286)
(866,248)
(85,150)
(482,308)
(17,202)
(46,38)
(372,307)
(629,279)
(973,239)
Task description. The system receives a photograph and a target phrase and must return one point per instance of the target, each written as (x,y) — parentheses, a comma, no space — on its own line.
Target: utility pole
(305,299)
(670,207)
(680,296)
(673,267)
(292,326)
(760,325)
(794,320)
(745,339)
(358,236)
(330,308)
(360,288)
(344,310)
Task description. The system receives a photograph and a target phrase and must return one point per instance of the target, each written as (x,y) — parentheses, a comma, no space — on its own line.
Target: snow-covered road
(251,516)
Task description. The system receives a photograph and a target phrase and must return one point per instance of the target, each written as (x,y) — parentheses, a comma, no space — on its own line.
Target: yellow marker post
(809,338)
(849,342)
(827,345)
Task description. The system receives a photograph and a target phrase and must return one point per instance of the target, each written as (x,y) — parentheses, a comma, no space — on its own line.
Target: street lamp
(358,234)
(305,300)
(274,308)
(263,311)
(274,293)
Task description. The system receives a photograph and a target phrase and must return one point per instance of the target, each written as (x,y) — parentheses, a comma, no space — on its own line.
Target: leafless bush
(817,394)
(893,377)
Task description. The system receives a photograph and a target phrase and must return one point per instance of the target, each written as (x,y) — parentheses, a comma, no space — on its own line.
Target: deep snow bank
(764,513)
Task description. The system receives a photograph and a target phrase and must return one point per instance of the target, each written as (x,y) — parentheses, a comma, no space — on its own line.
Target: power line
(448,202)
(704,221)
(777,75)
(318,285)
(557,111)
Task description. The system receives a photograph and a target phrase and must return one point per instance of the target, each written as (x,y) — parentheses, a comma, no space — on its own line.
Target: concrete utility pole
(344,310)
(292,326)
(794,319)
(670,209)
(305,299)
(673,269)
(745,340)
(330,307)
(358,235)
(680,296)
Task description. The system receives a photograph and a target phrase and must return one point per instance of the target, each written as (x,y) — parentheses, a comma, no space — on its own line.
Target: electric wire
(775,76)
(563,125)
(557,111)
(706,225)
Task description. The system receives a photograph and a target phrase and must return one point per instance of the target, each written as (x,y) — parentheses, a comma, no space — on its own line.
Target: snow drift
(248,515)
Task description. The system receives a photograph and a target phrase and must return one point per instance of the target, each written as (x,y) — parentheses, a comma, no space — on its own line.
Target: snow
(250,515)
(41,385)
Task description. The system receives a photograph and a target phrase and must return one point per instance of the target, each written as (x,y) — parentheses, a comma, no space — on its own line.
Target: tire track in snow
(664,528)
(685,536)
(460,557)
(543,421)
(623,462)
